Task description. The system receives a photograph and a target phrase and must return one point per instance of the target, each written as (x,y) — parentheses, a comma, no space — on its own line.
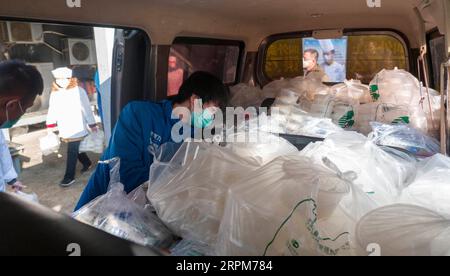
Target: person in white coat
(334,70)
(19,86)
(70,111)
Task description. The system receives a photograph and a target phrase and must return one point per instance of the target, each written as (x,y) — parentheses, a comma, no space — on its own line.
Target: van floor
(42,174)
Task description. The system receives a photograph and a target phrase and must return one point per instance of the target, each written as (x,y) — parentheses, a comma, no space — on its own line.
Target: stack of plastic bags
(275,210)
(118,215)
(189,185)
(336,197)
(418,223)
(293,120)
(399,97)
(381,174)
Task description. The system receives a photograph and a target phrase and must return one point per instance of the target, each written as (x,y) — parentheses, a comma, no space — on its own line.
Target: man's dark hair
(206,86)
(17,77)
(313,52)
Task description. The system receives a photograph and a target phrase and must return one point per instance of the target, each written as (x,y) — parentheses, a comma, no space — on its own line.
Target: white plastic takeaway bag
(49,144)
(405,230)
(93,142)
(275,210)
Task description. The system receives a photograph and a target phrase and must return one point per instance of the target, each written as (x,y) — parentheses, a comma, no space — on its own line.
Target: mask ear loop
(7,112)
(21,109)
(8,104)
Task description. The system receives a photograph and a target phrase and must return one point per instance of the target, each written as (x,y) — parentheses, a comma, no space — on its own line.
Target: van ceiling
(249,20)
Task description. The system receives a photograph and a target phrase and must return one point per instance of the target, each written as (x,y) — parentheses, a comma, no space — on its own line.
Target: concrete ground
(42,174)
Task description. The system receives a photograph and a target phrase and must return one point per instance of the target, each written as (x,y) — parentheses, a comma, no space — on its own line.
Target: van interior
(255,41)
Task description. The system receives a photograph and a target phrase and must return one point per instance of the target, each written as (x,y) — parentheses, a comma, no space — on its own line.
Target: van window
(361,55)
(218,57)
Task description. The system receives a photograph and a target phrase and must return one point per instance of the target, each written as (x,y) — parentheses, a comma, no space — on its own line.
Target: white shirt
(7,171)
(335,71)
(71,111)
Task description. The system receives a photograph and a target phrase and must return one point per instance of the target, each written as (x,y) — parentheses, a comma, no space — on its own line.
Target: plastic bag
(271,89)
(304,86)
(259,148)
(400,88)
(244,95)
(49,144)
(431,187)
(286,97)
(116,214)
(352,91)
(32,197)
(404,138)
(383,113)
(298,122)
(275,210)
(381,174)
(397,87)
(405,230)
(94,142)
(188,192)
(139,195)
(190,248)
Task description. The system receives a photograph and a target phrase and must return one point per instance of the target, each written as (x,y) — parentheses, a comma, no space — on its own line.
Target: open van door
(130,79)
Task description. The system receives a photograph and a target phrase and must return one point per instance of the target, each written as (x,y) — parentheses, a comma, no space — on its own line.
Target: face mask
(10,123)
(307,63)
(63,83)
(202,120)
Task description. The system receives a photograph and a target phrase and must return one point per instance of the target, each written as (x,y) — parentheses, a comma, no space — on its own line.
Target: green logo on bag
(347,120)
(374,92)
(401,120)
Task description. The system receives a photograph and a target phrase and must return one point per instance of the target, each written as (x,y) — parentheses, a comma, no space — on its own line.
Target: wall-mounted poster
(326,55)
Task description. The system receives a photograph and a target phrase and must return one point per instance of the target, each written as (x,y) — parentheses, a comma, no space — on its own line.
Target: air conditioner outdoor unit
(22,32)
(81,51)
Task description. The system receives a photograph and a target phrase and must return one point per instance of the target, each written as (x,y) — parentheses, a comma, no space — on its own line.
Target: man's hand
(18,186)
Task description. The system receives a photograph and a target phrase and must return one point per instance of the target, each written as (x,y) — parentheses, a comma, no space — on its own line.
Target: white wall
(104,44)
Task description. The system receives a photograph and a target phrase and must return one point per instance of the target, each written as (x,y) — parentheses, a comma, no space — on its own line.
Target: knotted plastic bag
(118,215)
(275,210)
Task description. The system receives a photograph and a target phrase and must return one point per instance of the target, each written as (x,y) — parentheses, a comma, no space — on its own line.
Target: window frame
(216,42)
(263,79)
(432,34)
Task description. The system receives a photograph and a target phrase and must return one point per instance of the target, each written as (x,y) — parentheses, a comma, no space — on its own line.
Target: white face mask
(307,63)
(328,58)
(63,83)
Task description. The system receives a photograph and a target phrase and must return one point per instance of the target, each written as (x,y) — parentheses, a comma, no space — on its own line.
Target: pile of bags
(393,97)
(256,194)
(189,190)
(121,216)
(399,97)
(336,197)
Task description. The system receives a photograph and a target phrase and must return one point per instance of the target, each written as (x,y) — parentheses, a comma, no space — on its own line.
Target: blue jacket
(140,125)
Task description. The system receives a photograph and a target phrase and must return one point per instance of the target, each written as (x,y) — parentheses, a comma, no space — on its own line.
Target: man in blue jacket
(146,124)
